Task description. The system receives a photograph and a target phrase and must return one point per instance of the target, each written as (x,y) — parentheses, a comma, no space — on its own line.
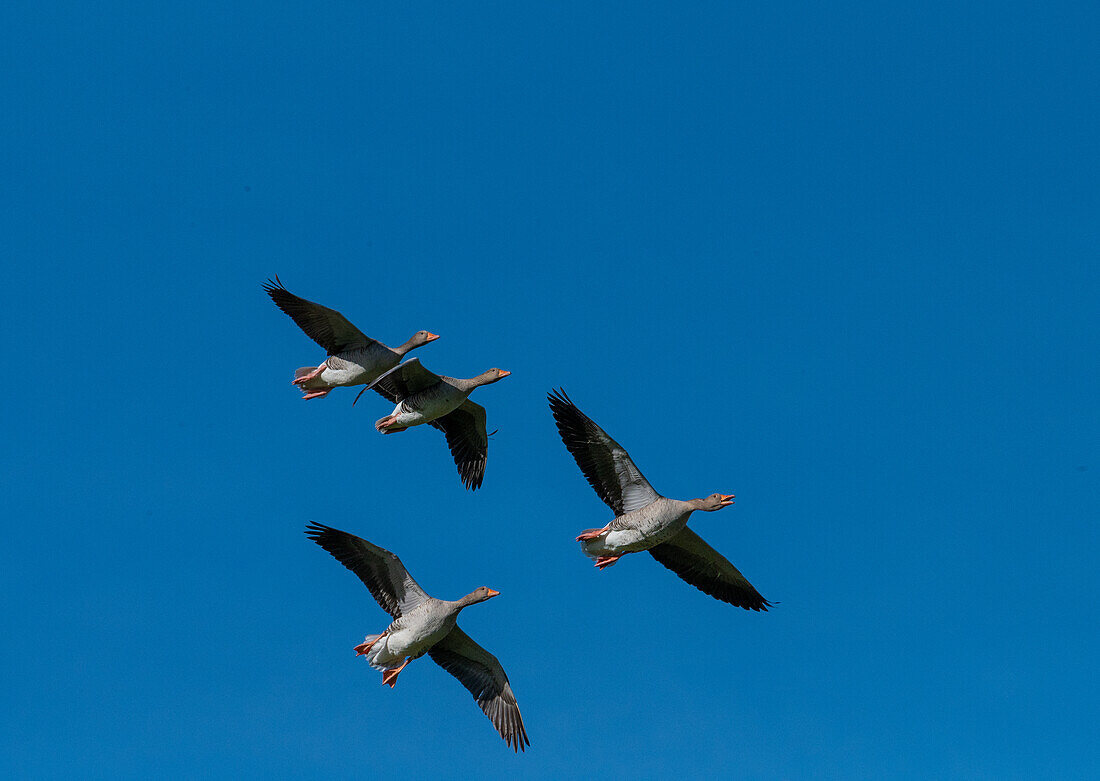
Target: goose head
(479,595)
(419,339)
(714,502)
(491,376)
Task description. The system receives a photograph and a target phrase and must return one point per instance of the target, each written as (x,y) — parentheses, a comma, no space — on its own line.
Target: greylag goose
(424,625)
(422,397)
(353,357)
(645,520)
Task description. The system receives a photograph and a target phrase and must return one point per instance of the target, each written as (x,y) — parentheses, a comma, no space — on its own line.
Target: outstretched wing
(604,462)
(381,571)
(481,673)
(708,570)
(402,381)
(465,431)
(327,327)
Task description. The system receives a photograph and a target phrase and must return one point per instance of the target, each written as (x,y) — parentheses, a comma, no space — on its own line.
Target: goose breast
(414,633)
(641,529)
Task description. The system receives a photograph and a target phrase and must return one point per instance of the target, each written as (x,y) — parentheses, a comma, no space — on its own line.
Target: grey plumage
(353,358)
(330,329)
(431,625)
(645,520)
(423,396)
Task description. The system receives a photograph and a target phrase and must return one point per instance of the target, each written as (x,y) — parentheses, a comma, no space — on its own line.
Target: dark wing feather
(404,380)
(327,327)
(481,674)
(708,570)
(465,432)
(605,464)
(381,571)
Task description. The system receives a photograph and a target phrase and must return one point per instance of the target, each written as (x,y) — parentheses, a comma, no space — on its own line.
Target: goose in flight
(645,520)
(353,357)
(424,625)
(423,396)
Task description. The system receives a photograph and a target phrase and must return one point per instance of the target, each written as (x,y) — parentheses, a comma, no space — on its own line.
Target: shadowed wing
(402,381)
(327,327)
(481,673)
(708,570)
(381,571)
(465,432)
(604,462)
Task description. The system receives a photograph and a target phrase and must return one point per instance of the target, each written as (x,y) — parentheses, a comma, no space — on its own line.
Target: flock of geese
(644,520)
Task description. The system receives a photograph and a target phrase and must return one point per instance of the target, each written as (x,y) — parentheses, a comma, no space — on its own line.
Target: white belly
(429,411)
(644,528)
(346,375)
(357,368)
(402,643)
(626,541)
(410,636)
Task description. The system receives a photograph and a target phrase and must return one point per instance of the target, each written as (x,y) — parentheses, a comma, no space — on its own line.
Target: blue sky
(840,261)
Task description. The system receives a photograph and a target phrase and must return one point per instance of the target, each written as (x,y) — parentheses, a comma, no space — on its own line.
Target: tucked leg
(603,562)
(384,424)
(307,377)
(367,644)
(591,534)
(389,677)
(317,394)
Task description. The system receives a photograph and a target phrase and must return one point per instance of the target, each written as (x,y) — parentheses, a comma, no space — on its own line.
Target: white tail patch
(594,548)
(315,384)
(380,657)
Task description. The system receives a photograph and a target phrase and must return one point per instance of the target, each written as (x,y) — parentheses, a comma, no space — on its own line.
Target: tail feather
(594,548)
(379,649)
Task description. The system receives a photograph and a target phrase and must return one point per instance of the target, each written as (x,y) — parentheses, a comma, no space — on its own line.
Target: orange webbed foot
(389,677)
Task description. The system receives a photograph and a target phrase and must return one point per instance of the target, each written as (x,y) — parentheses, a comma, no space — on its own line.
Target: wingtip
(558,395)
(757,607)
(473,475)
(274,285)
(517,741)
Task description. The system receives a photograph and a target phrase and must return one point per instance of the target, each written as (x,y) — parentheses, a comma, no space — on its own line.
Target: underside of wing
(603,461)
(381,571)
(330,329)
(483,676)
(404,380)
(466,437)
(702,566)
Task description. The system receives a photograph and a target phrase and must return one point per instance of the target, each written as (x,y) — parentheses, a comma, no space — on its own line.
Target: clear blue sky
(839,260)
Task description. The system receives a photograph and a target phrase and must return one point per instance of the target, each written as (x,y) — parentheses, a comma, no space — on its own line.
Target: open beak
(432,337)
(727,499)
(504,374)
(493,593)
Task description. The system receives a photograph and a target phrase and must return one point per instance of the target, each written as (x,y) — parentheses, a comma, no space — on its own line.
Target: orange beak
(493,593)
(504,374)
(432,337)
(727,499)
